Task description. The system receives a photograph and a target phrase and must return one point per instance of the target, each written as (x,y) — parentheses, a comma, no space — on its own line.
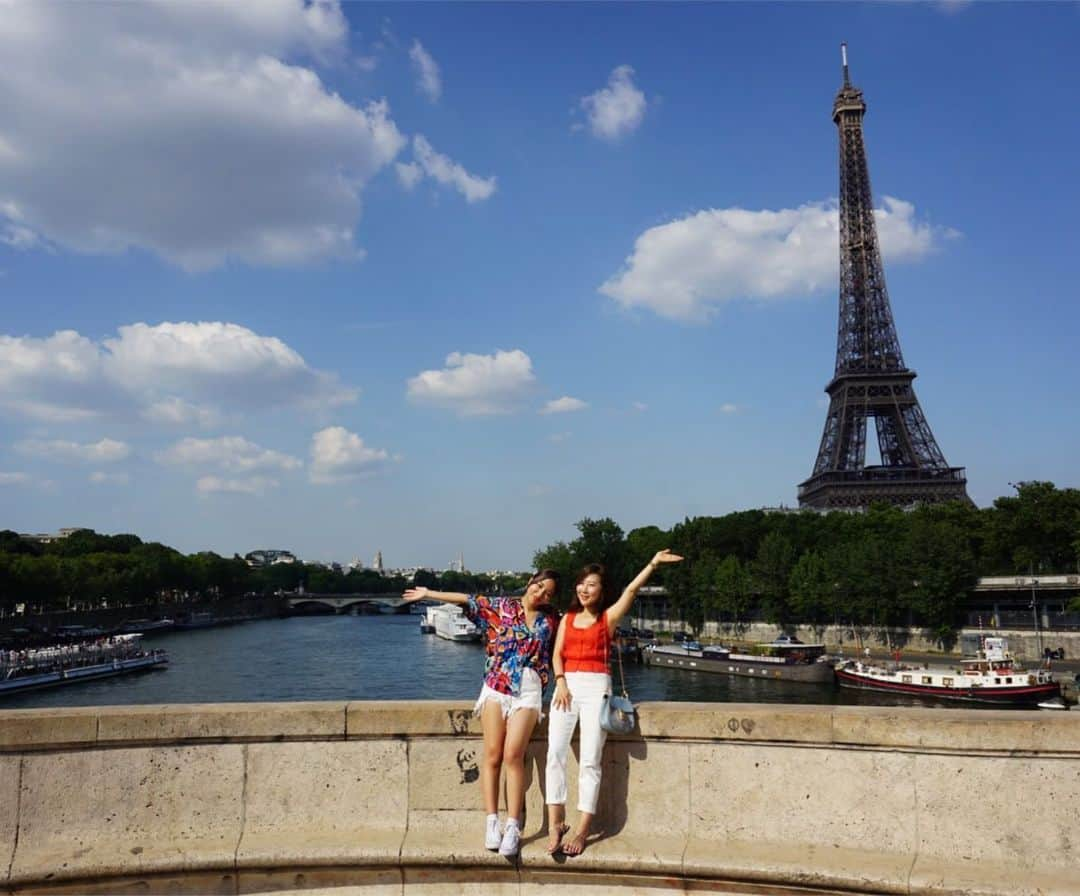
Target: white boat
(450,622)
(992,676)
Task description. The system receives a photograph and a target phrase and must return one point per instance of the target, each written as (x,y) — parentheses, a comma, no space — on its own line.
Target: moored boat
(60,664)
(451,623)
(991,676)
(145,626)
(785,658)
(196,619)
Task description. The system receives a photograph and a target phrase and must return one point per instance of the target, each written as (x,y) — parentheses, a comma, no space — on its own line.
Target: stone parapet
(381,797)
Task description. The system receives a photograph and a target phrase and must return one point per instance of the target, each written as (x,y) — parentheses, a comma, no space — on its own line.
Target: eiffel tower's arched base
(858,490)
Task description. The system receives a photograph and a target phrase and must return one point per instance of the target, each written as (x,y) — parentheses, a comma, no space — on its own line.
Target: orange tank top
(586,649)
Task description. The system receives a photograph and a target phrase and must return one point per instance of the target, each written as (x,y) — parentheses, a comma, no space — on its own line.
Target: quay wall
(1025,644)
(344,799)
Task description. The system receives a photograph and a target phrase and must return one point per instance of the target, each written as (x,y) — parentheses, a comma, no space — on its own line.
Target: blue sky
(431,279)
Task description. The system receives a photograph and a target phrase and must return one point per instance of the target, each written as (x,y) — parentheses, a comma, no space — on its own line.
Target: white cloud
(101,478)
(189,130)
(253,485)
(428,79)
(338,455)
(476,384)
(177,412)
(106,451)
(14,478)
(616,110)
(232,453)
(688,267)
(538,490)
(729,408)
(168,373)
(444,170)
(558,437)
(409,174)
(640,406)
(563,405)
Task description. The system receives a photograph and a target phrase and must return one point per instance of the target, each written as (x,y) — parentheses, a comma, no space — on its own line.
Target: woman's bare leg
(518,731)
(494,725)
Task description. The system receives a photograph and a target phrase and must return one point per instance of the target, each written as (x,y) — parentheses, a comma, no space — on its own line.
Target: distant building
(262,558)
(378,564)
(47,538)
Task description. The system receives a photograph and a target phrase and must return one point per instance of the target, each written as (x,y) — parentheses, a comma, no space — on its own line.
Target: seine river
(364,658)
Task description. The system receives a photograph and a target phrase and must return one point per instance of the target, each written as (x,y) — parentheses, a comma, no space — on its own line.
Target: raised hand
(415,594)
(665,556)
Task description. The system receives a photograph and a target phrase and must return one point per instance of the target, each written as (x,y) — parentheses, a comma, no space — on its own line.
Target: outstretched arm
(622,606)
(447,597)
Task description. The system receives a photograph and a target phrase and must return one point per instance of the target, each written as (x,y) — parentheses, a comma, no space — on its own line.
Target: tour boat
(785,658)
(992,676)
(22,670)
(451,623)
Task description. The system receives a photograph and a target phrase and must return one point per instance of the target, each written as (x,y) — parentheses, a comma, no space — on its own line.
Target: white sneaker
(493,833)
(511,839)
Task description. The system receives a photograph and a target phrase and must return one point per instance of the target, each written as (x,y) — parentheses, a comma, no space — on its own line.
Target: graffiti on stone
(466,761)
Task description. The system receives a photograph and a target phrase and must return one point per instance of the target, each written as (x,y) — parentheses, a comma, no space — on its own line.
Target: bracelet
(560,675)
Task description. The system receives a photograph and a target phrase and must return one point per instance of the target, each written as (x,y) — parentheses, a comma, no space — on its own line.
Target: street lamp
(1035,612)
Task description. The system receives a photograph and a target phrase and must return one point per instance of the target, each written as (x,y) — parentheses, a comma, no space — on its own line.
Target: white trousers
(587,690)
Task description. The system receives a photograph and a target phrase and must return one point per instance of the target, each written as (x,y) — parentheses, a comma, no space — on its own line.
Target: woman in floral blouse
(519,634)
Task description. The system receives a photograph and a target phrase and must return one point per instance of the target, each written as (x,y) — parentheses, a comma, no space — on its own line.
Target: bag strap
(622,677)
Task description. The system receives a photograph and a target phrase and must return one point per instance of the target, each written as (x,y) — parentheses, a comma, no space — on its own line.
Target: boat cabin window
(948,682)
(926,679)
(906,679)
(1008,680)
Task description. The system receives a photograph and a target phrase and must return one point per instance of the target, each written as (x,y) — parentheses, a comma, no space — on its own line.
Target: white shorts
(531,696)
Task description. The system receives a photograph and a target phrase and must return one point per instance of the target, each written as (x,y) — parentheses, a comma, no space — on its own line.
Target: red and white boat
(992,676)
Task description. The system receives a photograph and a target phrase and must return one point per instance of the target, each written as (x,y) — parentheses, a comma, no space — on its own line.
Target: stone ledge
(944,730)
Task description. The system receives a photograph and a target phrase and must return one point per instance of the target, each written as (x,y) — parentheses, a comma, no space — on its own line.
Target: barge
(991,676)
(785,658)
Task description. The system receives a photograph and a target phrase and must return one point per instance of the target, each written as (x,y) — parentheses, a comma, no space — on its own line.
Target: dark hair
(544,574)
(590,569)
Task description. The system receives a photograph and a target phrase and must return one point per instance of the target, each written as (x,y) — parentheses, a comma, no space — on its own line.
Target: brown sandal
(555,841)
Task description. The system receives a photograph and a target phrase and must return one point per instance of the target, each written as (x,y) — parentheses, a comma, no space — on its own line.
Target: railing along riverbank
(298,797)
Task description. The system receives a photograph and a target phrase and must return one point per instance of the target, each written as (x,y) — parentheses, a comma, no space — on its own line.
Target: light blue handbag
(618,715)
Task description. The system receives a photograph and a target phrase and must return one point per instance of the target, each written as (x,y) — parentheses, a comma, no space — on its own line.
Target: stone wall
(1025,644)
(338,799)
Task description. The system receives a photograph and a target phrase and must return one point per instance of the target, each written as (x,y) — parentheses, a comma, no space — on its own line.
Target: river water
(368,658)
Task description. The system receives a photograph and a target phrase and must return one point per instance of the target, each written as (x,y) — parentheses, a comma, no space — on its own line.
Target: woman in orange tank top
(582,681)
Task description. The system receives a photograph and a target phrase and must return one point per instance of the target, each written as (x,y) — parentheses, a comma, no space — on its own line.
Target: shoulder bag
(617,715)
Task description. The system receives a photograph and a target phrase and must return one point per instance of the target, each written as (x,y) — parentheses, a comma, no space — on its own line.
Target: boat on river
(449,621)
(60,664)
(786,658)
(991,676)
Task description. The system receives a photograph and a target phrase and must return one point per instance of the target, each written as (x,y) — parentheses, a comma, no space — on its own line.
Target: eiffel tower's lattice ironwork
(870,380)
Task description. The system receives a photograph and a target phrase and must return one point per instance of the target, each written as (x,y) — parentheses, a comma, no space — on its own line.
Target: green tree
(772,573)
(812,590)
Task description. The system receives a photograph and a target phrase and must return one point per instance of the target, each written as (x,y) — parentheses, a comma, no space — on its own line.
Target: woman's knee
(493,755)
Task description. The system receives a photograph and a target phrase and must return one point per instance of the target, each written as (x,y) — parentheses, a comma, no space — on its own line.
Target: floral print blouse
(511,645)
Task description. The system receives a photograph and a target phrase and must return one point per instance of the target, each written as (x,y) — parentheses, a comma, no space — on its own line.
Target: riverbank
(17,631)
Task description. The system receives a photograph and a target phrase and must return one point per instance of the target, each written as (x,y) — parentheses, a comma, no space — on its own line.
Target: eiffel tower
(870,379)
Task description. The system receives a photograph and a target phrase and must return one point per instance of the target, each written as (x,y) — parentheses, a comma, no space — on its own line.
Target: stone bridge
(341,603)
(343,799)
